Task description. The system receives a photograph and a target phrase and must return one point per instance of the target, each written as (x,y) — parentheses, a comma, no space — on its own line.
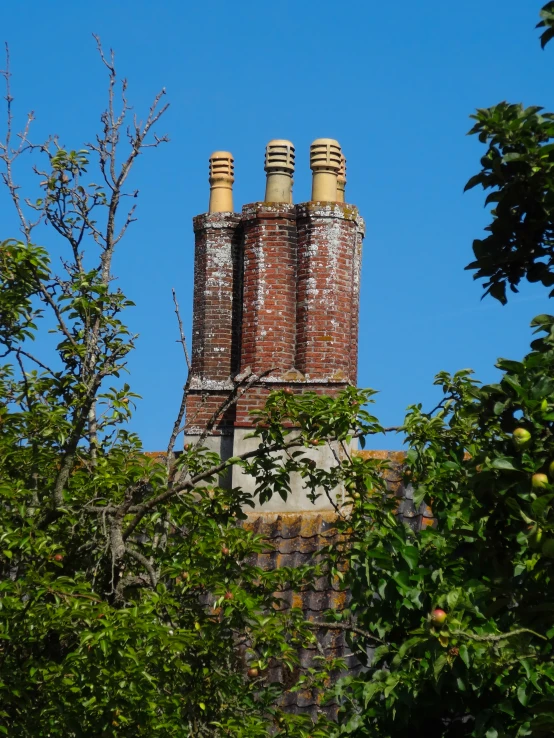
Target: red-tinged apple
(253,672)
(228,595)
(438,616)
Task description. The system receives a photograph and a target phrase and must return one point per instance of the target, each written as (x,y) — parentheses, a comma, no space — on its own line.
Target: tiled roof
(416,519)
(296,539)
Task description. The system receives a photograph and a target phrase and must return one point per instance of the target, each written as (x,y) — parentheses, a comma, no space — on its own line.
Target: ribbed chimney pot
(325,161)
(222,171)
(279,165)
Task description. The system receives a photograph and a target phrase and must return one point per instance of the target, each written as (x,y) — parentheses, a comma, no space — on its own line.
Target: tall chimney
(276,292)
(329,252)
(222,168)
(216,305)
(325,160)
(268,335)
(341,179)
(279,165)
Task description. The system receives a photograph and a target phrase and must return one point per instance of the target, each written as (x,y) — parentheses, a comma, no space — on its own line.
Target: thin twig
(345,626)
(245,383)
(141,510)
(37,362)
(177,425)
(496,638)
(182,339)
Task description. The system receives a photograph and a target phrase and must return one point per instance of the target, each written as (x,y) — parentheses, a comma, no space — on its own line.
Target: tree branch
(345,626)
(496,638)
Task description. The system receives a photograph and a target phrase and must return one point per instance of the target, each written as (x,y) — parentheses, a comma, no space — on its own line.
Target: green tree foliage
(488,670)
(518,168)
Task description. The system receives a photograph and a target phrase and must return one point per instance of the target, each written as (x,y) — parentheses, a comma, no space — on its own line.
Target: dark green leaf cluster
(518,169)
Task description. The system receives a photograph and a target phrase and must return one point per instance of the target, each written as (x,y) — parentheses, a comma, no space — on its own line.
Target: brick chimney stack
(216,308)
(276,292)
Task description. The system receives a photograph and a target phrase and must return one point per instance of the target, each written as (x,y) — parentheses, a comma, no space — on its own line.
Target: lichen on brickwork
(260,266)
(297,294)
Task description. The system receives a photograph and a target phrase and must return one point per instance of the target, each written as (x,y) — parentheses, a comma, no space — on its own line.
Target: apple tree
(129,603)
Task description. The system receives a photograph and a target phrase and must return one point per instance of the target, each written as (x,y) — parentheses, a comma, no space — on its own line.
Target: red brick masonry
(276,288)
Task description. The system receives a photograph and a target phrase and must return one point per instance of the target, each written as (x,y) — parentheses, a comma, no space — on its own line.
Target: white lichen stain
(201,383)
(329,291)
(311,287)
(261,287)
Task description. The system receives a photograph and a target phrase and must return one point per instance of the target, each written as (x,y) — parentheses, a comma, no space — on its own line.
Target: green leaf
(464,654)
(523,695)
(402,579)
(410,554)
(439,665)
(503,462)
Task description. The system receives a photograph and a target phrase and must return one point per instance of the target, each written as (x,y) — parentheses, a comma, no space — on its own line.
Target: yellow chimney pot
(325,161)
(222,171)
(279,165)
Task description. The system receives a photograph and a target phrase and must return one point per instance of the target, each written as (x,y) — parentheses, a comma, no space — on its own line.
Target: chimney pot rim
(221,155)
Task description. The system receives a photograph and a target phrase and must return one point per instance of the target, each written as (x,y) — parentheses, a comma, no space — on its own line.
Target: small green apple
(521,438)
(539,481)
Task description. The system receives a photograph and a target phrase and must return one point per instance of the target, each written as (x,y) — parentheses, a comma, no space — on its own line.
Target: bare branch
(347,627)
(37,362)
(498,637)
(182,339)
(181,413)
(51,302)
(8,155)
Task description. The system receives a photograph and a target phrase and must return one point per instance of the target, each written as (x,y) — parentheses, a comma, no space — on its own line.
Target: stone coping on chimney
(216,221)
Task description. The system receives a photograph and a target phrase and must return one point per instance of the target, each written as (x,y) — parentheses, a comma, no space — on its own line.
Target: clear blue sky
(393,82)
